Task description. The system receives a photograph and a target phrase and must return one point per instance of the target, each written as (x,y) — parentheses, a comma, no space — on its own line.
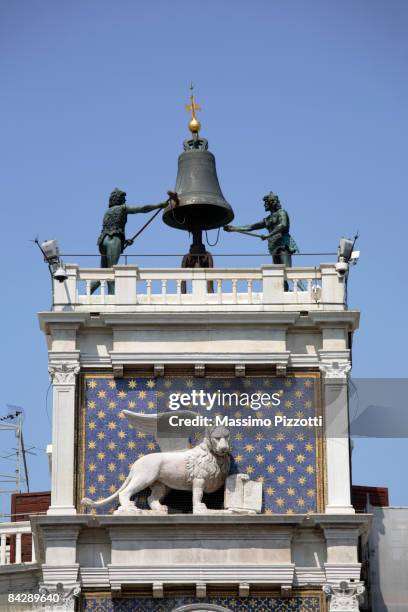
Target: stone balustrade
(301,288)
(11,535)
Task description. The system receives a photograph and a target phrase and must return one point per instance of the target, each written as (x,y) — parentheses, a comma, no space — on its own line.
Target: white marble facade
(258,327)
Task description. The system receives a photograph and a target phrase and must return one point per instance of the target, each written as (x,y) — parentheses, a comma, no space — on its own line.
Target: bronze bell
(202,205)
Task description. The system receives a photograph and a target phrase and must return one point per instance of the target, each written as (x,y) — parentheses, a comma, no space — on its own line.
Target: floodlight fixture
(50,251)
(345,249)
(346,255)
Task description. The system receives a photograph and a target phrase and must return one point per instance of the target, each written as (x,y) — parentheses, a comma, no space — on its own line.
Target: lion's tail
(90,502)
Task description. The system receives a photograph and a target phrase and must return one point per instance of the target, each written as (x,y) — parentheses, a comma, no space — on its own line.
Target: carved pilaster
(335,398)
(344,597)
(63,375)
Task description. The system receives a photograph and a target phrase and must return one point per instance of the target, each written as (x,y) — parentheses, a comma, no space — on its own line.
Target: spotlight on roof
(50,251)
(345,249)
(346,255)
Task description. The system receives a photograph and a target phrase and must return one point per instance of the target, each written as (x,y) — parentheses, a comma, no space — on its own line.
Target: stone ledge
(107,520)
(210,574)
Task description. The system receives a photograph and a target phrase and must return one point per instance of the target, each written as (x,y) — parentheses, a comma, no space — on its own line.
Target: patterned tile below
(231,604)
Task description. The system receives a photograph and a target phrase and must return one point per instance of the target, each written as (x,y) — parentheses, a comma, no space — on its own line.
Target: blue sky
(308,99)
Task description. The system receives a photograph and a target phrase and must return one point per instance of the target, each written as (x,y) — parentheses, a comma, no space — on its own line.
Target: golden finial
(194,126)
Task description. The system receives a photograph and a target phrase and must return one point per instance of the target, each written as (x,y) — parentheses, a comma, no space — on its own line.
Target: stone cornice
(130,358)
(68,318)
(193,318)
(184,520)
(338,318)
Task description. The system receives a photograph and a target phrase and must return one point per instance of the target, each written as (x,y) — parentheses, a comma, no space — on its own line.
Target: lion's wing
(167,437)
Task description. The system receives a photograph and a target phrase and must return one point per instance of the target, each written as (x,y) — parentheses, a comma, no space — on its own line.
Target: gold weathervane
(194,126)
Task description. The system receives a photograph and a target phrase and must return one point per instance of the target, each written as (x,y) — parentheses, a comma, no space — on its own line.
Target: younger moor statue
(112,241)
(281,245)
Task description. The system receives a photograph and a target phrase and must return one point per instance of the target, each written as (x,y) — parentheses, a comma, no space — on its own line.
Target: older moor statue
(281,245)
(112,241)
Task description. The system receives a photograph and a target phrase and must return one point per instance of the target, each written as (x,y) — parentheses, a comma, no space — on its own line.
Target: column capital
(335,369)
(63,373)
(344,597)
(60,596)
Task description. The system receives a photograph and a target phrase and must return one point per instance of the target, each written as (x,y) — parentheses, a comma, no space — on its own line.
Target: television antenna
(13,422)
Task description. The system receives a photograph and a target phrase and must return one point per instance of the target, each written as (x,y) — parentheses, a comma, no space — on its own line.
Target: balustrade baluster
(178,291)
(249,290)
(219,290)
(234,291)
(3,545)
(164,290)
(103,291)
(18,547)
(149,291)
(33,558)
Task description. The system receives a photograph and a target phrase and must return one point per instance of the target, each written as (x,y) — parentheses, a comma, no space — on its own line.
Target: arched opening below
(201,607)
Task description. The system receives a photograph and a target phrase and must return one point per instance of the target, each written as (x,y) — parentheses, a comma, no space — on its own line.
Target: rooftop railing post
(125,284)
(332,285)
(66,292)
(273,277)
(199,286)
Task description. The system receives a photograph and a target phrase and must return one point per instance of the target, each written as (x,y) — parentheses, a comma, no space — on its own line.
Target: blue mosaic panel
(284,459)
(234,604)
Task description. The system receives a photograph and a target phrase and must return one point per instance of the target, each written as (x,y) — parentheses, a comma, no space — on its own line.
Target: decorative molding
(117,370)
(337,572)
(158,590)
(345,597)
(198,315)
(239,370)
(201,589)
(210,574)
(286,590)
(281,369)
(158,370)
(199,370)
(63,373)
(304,360)
(133,358)
(243,589)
